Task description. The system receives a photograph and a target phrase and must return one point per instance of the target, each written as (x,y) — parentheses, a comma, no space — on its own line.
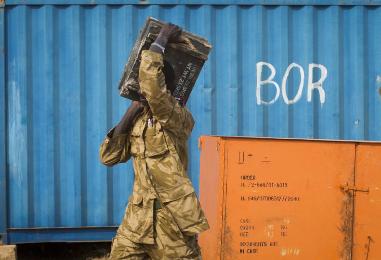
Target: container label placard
(276,196)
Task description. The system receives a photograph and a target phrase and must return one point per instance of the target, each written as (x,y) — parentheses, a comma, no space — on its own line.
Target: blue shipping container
(302,69)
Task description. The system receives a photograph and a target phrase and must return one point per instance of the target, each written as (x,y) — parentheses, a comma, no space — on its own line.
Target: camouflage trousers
(170,243)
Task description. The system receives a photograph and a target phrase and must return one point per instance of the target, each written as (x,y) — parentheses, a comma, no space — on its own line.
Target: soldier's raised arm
(116,146)
(165,108)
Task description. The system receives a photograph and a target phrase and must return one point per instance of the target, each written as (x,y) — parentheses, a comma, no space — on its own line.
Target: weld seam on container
(3,115)
(197,2)
(41,235)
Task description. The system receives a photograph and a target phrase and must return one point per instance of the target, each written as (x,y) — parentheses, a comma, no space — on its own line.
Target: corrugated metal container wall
(59,77)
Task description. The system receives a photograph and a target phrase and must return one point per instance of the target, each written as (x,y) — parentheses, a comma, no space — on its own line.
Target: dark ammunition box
(186,60)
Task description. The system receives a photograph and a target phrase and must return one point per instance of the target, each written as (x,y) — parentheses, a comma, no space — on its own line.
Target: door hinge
(348,188)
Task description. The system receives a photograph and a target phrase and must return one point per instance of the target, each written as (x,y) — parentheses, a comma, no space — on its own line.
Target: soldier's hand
(168,33)
(171,32)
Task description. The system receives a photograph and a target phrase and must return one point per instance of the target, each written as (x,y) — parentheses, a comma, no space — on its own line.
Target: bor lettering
(269,82)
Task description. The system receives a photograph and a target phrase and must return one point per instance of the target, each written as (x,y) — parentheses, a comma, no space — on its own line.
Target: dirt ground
(64,251)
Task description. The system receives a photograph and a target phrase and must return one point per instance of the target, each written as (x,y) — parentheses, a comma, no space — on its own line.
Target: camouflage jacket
(159,150)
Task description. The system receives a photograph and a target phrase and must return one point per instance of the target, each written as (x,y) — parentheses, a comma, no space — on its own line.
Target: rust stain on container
(347,224)
(286,199)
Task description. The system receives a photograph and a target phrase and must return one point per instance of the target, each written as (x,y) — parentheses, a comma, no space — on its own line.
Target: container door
(284,200)
(367,228)
(211,196)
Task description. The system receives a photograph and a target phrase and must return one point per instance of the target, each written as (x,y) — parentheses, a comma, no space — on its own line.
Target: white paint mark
(17,141)
(357,122)
(317,84)
(269,80)
(378,79)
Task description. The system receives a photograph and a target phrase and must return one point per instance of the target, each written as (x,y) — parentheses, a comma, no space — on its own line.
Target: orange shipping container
(290,199)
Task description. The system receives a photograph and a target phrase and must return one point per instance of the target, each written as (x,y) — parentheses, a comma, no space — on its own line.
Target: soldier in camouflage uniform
(163,216)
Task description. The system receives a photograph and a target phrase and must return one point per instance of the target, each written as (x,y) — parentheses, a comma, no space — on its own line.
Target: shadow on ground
(64,251)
